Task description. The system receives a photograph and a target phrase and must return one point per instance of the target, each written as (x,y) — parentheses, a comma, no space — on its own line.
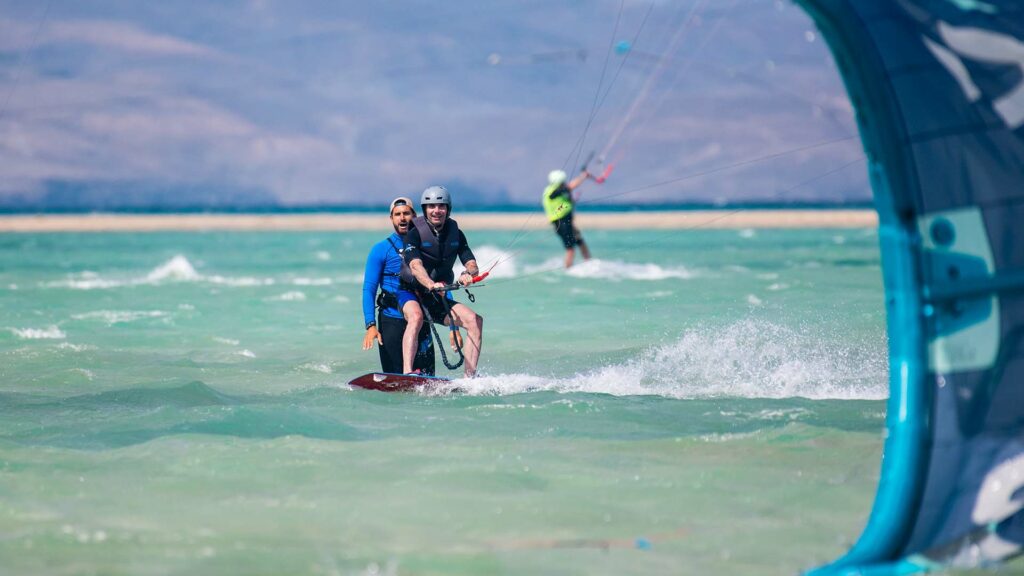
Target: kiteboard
(385,382)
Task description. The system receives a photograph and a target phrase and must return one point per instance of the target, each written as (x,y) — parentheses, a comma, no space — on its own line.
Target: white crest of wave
(75,347)
(86,280)
(555,264)
(748,359)
(501,263)
(239,281)
(112,317)
(312,281)
(177,268)
(291,296)
(619,270)
(48,333)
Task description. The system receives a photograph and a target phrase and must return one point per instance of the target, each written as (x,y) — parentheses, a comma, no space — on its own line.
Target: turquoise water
(692,402)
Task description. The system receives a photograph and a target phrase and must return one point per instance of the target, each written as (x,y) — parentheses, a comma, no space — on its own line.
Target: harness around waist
(387,299)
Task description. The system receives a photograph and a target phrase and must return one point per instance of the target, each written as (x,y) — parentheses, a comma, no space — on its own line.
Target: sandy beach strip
(671,220)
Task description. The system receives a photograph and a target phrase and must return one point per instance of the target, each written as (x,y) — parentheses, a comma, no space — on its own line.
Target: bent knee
(413,315)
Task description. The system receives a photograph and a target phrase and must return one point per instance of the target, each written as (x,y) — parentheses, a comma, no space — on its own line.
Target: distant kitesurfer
(431,246)
(558,204)
(383,266)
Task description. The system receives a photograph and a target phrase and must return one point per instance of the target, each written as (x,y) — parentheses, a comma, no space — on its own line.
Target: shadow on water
(126,417)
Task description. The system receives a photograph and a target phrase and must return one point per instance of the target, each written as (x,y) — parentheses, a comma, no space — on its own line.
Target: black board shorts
(567,232)
(431,303)
(391,332)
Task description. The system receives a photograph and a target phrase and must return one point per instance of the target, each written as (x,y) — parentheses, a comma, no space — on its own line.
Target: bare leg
(569,255)
(414,321)
(583,246)
(474,325)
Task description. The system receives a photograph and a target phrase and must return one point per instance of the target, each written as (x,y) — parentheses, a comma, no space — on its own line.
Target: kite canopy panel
(938,86)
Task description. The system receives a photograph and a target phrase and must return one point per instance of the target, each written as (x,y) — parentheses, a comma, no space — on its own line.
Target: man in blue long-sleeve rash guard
(382,268)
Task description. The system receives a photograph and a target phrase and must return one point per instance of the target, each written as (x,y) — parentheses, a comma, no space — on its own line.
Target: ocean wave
(112,317)
(48,333)
(616,270)
(619,270)
(291,296)
(237,281)
(501,263)
(75,347)
(312,281)
(86,280)
(180,270)
(177,269)
(748,359)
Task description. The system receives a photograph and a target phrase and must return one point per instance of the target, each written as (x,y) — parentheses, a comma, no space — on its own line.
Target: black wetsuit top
(414,244)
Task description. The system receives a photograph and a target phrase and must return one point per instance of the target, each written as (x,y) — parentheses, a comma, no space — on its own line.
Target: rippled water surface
(691,402)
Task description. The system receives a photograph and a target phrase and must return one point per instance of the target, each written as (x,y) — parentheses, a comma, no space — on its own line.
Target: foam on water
(112,317)
(180,269)
(86,280)
(748,359)
(501,263)
(616,270)
(312,281)
(177,268)
(237,281)
(48,333)
(291,296)
(75,347)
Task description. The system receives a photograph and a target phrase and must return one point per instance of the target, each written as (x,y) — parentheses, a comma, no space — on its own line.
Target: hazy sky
(303,102)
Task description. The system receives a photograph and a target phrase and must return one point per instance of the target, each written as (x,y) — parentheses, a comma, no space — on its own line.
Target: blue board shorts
(403,297)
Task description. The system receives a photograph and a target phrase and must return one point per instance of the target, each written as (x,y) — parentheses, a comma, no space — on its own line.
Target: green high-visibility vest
(556,207)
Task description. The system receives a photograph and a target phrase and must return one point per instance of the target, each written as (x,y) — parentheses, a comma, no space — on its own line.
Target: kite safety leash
(440,293)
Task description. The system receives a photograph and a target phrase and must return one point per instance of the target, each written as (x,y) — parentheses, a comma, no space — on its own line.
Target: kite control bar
(458,286)
(604,175)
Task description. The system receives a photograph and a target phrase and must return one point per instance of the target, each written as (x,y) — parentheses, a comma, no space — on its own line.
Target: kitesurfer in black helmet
(432,244)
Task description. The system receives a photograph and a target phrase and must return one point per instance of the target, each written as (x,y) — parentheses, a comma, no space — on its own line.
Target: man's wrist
(371,324)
